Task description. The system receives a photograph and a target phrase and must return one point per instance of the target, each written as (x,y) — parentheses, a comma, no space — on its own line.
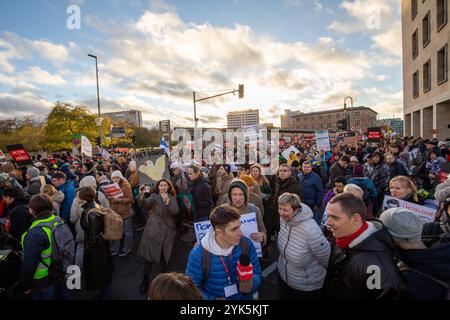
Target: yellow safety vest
(46,255)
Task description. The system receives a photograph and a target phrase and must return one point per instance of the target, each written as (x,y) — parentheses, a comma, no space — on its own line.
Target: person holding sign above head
(238,198)
(160,231)
(304,251)
(225,265)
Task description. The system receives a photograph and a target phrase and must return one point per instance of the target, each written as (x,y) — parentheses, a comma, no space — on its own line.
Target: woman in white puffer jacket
(304,251)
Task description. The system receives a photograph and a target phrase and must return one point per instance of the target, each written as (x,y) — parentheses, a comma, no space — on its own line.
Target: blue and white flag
(163,145)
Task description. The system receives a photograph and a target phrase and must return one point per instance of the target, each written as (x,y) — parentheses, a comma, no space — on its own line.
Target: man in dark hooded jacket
(19,218)
(426,270)
(362,265)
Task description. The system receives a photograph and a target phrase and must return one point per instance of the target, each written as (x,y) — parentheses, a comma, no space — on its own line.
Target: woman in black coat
(98,264)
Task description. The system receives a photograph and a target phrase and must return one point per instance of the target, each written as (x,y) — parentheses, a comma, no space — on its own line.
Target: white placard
(249,225)
(86,146)
(287,152)
(425,213)
(323,140)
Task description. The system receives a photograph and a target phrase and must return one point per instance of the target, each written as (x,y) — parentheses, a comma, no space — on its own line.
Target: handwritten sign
(323,140)
(112,191)
(425,213)
(249,225)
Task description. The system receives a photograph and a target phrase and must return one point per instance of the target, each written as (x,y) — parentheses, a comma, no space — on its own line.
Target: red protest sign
(374,134)
(112,191)
(19,154)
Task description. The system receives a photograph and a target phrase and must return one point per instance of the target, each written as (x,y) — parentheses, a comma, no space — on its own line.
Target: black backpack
(207,256)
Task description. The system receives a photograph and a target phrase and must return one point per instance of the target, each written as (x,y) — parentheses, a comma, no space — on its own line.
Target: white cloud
(381,77)
(390,41)
(39,76)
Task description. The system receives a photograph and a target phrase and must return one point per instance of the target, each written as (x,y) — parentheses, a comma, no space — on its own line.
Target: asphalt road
(128,273)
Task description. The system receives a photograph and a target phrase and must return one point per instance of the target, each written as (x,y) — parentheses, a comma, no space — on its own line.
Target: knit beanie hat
(247,179)
(358,171)
(238,183)
(402,224)
(442,191)
(33,172)
(88,181)
(118,174)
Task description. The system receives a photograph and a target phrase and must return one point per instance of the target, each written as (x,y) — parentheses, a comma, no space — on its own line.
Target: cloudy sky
(291,54)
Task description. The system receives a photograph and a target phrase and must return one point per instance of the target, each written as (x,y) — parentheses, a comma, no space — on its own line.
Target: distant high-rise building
(130,116)
(426,89)
(395,123)
(237,119)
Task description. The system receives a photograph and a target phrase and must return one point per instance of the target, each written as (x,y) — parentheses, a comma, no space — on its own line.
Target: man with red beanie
(361,265)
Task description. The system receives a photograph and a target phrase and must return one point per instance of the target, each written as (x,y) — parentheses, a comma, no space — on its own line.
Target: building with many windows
(237,119)
(361,118)
(131,116)
(426,90)
(395,123)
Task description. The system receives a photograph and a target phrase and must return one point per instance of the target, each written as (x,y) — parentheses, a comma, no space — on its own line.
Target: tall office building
(237,119)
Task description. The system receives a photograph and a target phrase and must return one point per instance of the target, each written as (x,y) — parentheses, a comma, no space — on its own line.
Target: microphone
(245,274)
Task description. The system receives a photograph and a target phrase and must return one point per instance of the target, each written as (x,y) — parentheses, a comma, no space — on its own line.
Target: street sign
(76,136)
(98,121)
(118,132)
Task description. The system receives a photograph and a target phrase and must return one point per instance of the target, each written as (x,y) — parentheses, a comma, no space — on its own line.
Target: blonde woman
(401,187)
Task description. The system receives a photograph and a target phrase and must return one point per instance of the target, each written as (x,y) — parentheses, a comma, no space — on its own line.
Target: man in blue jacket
(212,265)
(312,189)
(68,188)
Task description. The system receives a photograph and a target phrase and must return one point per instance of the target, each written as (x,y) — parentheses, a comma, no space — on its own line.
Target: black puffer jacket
(349,269)
(202,196)
(18,214)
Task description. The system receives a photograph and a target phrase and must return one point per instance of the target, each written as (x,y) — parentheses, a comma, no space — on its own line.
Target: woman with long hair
(160,231)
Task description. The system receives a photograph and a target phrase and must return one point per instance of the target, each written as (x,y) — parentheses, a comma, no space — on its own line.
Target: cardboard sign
(249,225)
(112,191)
(323,140)
(19,154)
(152,166)
(425,213)
(374,134)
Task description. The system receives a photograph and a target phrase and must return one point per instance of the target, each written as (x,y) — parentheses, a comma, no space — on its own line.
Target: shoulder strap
(206,264)
(442,283)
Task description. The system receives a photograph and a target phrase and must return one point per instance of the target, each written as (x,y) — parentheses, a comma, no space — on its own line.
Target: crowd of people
(320,211)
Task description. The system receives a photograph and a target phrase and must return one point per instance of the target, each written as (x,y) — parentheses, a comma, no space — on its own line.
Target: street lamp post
(98,101)
(240,92)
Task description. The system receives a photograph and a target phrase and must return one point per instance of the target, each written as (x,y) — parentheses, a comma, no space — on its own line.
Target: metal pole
(195,111)
(98,103)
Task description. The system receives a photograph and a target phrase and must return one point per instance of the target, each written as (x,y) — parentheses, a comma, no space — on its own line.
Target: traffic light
(241,91)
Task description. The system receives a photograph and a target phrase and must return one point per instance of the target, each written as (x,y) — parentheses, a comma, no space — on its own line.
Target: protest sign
(188,212)
(19,154)
(152,166)
(288,151)
(249,225)
(425,213)
(323,140)
(374,134)
(112,191)
(86,146)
